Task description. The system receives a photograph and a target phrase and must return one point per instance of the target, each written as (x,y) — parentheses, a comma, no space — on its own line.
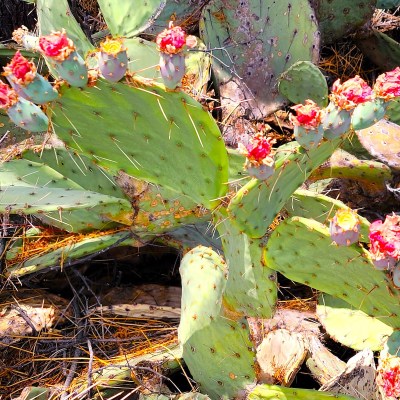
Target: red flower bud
(351,93)
(56,45)
(8,97)
(308,115)
(23,71)
(174,39)
(387,85)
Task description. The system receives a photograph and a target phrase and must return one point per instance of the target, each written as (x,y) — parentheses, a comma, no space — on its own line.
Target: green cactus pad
(270,392)
(216,347)
(303,81)
(352,328)
(338,18)
(393,344)
(302,250)
(124,19)
(293,166)
(251,289)
(382,141)
(373,175)
(308,138)
(387,4)
(253,43)
(336,122)
(64,255)
(53,15)
(367,114)
(182,12)
(79,171)
(165,138)
(307,204)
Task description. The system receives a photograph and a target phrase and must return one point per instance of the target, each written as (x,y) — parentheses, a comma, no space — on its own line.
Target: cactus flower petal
(23,71)
(308,115)
(387,85)
(56,45)
(8,96)
(389,377)
(174,39)
(349,94)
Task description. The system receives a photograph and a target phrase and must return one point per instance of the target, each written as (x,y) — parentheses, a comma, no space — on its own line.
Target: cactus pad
(303,81)
(252,46)
(251,289)
(169,140)
(302,250)
(216,348)
(293,166)
(352,328)
(382,141)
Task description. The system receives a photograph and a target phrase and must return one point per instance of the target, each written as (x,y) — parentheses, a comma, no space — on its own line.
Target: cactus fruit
(388,378)
(345,227)
(385,242)
(171,44)
(61,54)
(22,112)
(344,98)
(113,59)
(308,130)
(302,81)
(259,161)
(367,114)
(24,79)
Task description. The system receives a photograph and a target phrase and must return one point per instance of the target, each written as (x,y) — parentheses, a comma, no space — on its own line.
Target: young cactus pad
(216,348)
(165,138)
(302,250)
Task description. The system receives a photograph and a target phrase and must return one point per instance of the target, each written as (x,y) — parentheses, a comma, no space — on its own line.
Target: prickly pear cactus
(293,167)
(338,18)
(251,289)
(165,138)
(302,250)
(216,347)
(252,46)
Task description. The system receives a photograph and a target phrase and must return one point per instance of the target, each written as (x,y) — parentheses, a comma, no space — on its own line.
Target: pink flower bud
(385,240)
(387,85)
(308,115)
(389,377)
(8,96)
(351,93)
(56,45)
(174,39)
(23,71)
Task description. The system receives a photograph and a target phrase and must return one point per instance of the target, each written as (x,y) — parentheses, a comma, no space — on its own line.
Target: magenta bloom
(308,115)
(385,239)
(174,39)
(22,70)
(351,93)
(258,149)
(8,96)
(56,45)
(389,377)
(387,85)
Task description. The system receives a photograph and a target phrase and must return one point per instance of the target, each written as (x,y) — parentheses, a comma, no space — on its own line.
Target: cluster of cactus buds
(345,227)
(171,44)
(61,54)
(259,163)
(385,244)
